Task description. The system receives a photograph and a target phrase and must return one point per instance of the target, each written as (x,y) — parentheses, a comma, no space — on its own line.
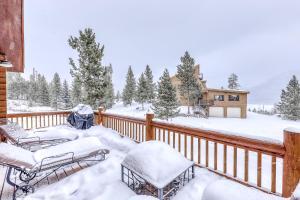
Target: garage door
(216,111)
(233,112)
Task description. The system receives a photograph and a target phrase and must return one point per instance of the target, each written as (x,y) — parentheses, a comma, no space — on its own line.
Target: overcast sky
(257,39)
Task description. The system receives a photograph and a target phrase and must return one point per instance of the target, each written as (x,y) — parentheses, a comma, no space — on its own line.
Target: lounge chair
(16,135)
(33,167)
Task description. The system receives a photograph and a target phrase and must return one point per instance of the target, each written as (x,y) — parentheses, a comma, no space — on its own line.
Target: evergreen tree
(66,98)
(150,84)
(142,91)
(56,101)
(289,105)
(188,87)
(89,69)
(33,88)
(129,89)
(166,105)
(17,86)
(233,82)
(118,96)
(76,92)
(44,96)
(108,99)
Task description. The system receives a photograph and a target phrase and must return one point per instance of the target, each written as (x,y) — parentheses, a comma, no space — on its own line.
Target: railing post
(100,115)
(291,162)
(149,127)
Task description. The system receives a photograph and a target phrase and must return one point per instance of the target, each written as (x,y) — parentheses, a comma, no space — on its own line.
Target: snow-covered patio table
(154,168)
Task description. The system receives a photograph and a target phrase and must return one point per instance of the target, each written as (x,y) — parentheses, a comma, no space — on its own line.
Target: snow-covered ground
(18,106)
(103,181)
(255,125)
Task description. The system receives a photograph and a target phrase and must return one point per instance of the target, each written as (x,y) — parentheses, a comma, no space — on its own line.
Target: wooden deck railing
(239,158)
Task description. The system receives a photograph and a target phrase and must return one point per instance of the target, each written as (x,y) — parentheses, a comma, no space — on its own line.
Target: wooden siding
(3,106)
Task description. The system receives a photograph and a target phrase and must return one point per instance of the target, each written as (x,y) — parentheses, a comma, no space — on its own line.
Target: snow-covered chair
(154,168)
(16,135)
(33,167)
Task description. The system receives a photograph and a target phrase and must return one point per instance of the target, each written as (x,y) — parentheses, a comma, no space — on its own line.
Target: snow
(54,133)
(292,130)
(83,109)
(18,106)
(142,197)
(80,147)
(296,194)
(157,162)
(228,190)
(103,181)
(257,126)
(17,156)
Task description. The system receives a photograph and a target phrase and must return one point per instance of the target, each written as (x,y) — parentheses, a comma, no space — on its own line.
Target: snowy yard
(103,180)
(255,125)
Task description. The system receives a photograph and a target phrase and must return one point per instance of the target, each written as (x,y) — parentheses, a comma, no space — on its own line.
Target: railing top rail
(121,117)
(12,115)
(256,145)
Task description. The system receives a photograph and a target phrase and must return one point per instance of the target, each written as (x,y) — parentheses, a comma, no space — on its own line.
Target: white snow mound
(83,109)
(143,197)
(157,162)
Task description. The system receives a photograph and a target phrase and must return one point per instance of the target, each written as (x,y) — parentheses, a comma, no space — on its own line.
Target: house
(216,102)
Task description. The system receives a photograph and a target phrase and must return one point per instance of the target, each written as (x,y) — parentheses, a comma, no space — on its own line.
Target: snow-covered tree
(233,82)
(188,88)
(56,90)
(65,96)
(142,91)
(17,86)
(289,105)
(108,99)
(76,92)
(129,89)
(33,88)
(89,69)
(166,105)
(43,91)
(118,96)
(150,84)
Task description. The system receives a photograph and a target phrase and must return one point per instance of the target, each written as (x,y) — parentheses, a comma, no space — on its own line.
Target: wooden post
(291,162)
(3,97)
(100,115)
(149,127)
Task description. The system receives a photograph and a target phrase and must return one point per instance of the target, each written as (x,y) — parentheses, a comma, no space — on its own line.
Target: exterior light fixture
(3,61)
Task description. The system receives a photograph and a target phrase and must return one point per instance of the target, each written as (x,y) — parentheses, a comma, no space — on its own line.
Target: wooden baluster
(143,135)
(159,134)
(192,148)
(164,135)
(273,179)
(234,162)
(179,142)
(27,123)
(185,145)
(168,136)
(215,156)
(259,158)
(22,122)
(246,165)
(40,121)
(207,153)
(225,159)
(199,151)
(174,138)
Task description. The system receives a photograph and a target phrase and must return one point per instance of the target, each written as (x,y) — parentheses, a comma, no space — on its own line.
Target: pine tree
(188,87)
(150,84)
(76,92)
(289,105)
(108,99)
(33,88)
(233,82)
(166,105)
(129,89)
(66,98)
(118,96)
(56,101)
(142,91)
(89,69)
(44,95)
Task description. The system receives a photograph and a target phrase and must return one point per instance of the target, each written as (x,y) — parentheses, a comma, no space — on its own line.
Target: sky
(258,40)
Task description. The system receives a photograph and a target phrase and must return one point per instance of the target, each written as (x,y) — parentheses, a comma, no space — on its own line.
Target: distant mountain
(269,91)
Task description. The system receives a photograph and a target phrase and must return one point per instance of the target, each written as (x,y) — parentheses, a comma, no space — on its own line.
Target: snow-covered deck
(103,180)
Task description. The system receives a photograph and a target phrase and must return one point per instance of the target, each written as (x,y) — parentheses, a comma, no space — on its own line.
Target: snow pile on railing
(157,162)
(83,109)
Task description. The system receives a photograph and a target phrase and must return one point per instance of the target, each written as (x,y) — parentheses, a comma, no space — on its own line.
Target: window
(234,97)
(219,97)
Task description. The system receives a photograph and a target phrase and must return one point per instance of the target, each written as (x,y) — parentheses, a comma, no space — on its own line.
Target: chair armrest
(55,158)
(29,140)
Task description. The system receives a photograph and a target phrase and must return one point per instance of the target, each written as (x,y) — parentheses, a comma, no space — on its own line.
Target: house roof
(228,90)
